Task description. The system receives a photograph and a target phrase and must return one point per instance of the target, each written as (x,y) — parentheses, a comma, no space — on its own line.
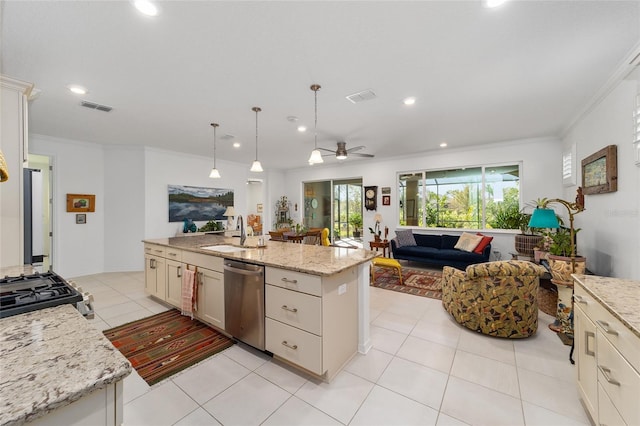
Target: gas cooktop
(26,293)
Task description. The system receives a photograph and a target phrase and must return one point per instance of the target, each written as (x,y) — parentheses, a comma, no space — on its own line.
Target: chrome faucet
(243,235)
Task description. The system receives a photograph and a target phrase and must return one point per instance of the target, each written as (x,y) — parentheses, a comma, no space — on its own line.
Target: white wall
(541,177)
(78,168)
(610,224)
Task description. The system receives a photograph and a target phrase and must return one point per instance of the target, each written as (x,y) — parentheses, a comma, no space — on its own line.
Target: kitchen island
(316,298)
(56,368)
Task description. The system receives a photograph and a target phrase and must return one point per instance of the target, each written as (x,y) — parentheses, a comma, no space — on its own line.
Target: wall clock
(370,197)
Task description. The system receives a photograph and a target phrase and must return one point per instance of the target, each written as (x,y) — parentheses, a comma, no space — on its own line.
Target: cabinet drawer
(296,309)
(173,254)
(298,281)
(617,333)
(294,345)
(619,380)
(607,412)
(154,250)
(214,263)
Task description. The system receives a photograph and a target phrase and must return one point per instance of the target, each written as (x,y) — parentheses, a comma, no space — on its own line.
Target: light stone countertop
(618,296)
(311,259)
(50,358)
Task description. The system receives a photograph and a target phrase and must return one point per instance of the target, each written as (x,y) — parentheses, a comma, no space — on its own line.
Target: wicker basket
(526,243)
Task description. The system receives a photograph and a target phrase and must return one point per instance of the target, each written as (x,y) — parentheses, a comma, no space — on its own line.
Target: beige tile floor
(423,369)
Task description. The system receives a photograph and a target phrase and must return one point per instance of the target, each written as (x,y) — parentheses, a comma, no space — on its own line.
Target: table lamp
(229,214)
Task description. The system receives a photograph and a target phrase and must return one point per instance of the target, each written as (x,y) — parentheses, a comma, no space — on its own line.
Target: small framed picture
(259,208)
(385,190)
(386,200)
(81,218)
(81,203)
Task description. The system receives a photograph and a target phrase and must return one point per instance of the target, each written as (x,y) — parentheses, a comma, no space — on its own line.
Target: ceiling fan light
(215,174)
(341,156)
(341,152)
(316,157)
(256,166)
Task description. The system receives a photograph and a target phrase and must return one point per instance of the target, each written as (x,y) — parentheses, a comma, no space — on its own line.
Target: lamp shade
(229,212)
(377,217)
(316,157)
(215,174)
(544,218)
(256,166)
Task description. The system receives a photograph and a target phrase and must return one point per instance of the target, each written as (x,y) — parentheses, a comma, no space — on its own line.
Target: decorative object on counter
(376,228)
(81,218)
(198,203)
(562,256)
(256,166)
(81,203)
(211,226)
(189,226)
(215,174)
(164,344)
(316,156)
(230,213)
(600,171)
(415,281)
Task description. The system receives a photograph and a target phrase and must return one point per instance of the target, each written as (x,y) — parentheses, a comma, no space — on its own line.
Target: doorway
(38,221)
(336,205)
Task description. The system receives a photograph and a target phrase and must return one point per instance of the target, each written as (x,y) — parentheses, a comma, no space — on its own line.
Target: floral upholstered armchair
(494,298)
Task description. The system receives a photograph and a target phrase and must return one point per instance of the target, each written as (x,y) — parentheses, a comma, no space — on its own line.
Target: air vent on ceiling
(94,105)
(226,137)
(365,95)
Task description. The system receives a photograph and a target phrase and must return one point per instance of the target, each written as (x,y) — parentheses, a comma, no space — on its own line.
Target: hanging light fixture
(256,166)
(316,156)
(215,174)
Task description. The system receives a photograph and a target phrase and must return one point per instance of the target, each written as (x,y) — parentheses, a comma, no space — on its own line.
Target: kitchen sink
(224,248)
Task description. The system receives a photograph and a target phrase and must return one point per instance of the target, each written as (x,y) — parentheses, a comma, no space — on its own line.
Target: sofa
(495,298)
(436,250)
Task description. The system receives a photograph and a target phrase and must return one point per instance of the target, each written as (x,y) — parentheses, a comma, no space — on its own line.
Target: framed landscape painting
(197,203)
(600,171)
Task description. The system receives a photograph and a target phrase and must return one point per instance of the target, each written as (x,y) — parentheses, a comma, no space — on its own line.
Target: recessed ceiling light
(493,3)
(443,144)
(409,101)
(146,7)
(77,89)
(302,129)
(236,144)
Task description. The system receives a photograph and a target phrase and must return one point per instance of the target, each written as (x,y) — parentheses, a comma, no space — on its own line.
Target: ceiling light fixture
(236,144)
(146,7)
(77,89)
(256,166)
(409,101)
(316,156)
(341,152)
(443,144)
(302,129)
(493,3)
(215,174)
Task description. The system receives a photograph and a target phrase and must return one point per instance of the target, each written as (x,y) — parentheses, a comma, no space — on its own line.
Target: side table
(384,245)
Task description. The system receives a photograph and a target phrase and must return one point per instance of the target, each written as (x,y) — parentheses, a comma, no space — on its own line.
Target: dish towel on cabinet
(188,292)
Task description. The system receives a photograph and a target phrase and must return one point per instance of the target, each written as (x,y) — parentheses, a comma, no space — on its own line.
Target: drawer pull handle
(286,308)
(152,263)
(579,299)
(287,280)
(173,254)
(158,251)
(605,327)
(179,271)
(294,347)
(587,351)
(605,372)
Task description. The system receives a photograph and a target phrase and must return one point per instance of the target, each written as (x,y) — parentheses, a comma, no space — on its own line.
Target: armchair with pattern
(494,298)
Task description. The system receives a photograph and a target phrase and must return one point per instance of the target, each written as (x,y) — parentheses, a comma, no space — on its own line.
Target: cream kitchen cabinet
(210,278)
(174,283)
(311,321)
(163,273)
(607,357)
(155,276)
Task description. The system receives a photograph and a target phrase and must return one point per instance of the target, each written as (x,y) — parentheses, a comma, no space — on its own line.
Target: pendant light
(256,166)
(316,156)
(215,174)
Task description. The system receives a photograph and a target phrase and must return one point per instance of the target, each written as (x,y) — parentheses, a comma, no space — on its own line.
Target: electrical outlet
(342,289)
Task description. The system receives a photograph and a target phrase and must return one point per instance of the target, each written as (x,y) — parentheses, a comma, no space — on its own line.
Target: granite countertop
(311,259)
(50,358)
(618,296)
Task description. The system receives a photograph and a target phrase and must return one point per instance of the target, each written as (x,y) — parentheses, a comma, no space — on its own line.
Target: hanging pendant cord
(256,109)
(214,125)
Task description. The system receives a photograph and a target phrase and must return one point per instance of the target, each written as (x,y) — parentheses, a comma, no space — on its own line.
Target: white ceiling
(480,75)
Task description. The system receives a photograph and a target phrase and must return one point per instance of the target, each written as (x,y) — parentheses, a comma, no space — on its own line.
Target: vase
(376,238)
(561,269)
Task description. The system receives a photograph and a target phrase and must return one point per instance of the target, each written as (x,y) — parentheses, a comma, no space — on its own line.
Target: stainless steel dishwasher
(244,302)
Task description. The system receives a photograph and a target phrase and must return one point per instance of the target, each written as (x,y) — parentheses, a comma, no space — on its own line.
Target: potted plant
(561,264)
(376,231)
(355,219)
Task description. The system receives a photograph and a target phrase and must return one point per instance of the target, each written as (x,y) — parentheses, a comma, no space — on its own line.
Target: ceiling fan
(342,152)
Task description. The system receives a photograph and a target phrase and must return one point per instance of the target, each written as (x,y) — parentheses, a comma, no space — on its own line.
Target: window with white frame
(479,197)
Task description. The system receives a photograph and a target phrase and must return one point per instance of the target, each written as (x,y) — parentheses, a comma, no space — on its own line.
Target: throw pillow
(485,242)
(405,237)
(468,242)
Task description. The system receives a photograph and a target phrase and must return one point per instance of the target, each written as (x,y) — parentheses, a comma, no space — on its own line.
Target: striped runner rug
(415,281)
(164,344)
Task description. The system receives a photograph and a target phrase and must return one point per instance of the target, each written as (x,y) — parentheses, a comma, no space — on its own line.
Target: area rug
(415,281)
(164,344)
